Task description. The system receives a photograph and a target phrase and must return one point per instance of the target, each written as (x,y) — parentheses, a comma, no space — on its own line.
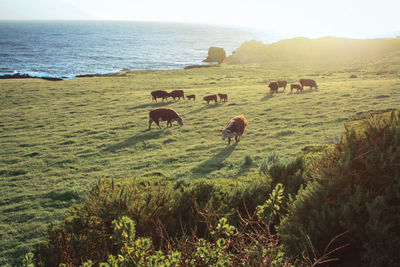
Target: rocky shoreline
(27,76)
(122,73)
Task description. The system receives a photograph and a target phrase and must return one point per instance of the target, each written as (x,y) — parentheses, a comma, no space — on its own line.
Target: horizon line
(387,35)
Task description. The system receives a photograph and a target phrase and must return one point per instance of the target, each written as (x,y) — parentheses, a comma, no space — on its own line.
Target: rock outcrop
(27,76)
(215,54)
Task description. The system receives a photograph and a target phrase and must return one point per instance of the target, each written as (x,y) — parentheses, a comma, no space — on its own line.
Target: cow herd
(275,85)
(235,127)
(178,94)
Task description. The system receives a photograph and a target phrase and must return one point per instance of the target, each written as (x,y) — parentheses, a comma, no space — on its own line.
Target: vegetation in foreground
(336,204)
(60,138)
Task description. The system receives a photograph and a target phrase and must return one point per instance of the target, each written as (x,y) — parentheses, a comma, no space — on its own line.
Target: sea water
(70,48)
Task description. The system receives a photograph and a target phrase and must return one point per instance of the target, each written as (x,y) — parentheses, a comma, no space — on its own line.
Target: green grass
(58,138)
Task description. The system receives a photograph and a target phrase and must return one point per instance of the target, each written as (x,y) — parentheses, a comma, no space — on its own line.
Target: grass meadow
(59,138)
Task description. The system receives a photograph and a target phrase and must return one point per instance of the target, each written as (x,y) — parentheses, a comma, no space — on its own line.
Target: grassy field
(58,138)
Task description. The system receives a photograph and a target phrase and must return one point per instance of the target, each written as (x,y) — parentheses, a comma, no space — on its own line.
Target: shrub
(226,245)
(248,161)
(291,175)
(356,189)
(161,207)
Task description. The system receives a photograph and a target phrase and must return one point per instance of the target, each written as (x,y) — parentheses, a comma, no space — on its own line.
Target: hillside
(59,138)
(326,48)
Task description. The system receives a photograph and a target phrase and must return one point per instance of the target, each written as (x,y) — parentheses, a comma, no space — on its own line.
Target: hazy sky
(312,18)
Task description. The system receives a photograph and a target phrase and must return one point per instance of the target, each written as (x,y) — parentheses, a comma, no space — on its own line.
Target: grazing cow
(295,86)
(210,98)
(223,97)
(178,94)
(234,128)
(164,114)
(191,97)
(282,84)
(308,82)
(273,87)
(159,94)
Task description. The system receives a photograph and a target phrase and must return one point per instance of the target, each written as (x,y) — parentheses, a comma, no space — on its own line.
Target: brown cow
(191,97)
(164,114)
(308,82)
(273,87)
(234,128)
(282,84)
(210,98)
(178,94)
(159,94)
(223,97)
(295,86)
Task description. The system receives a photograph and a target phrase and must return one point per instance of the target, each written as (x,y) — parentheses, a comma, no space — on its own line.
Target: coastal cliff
(301,48)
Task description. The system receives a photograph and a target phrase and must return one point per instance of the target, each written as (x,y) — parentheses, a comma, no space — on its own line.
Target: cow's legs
(150,122)
(158,124)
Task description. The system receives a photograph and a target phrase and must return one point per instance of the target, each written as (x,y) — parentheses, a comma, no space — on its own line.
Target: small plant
(270,160)
(270,210)
(248,161)
(135,251)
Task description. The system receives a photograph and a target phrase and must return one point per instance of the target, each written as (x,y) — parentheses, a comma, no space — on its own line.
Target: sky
(309,18)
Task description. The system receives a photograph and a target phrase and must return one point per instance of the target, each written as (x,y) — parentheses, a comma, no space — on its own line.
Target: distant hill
(326,48)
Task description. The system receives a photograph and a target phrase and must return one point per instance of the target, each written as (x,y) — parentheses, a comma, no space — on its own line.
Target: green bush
(161,207)
(292,175)
(354,189)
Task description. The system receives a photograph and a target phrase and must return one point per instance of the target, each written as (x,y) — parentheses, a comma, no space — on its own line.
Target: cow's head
(225,133)
(180,121)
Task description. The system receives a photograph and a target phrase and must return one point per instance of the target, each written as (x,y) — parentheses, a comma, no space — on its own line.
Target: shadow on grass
(215,162)
(305,91)
(209,106)
(244,169)
(267,97)
(153,105)
(148,135)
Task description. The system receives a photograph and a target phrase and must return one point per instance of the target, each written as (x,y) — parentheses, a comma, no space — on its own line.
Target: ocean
(71,48)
